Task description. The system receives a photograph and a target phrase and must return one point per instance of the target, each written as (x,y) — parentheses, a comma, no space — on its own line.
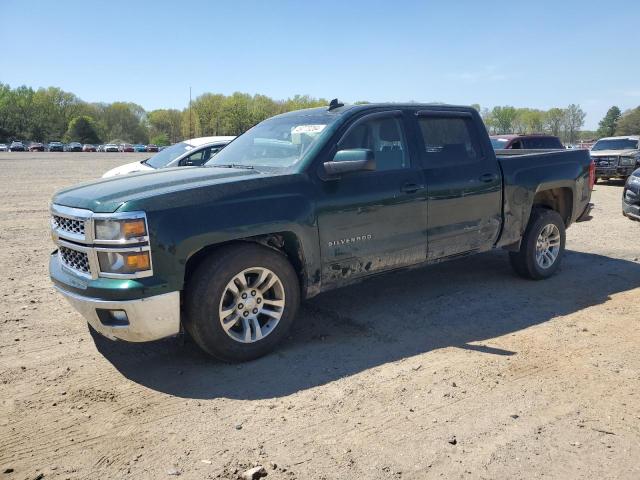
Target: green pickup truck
(305,202)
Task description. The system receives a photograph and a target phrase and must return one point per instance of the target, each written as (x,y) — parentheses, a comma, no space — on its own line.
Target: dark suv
(526,142)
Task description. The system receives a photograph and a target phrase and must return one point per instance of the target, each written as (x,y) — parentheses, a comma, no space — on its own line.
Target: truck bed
(565,172)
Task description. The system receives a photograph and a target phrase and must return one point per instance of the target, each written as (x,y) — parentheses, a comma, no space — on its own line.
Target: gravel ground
(461,370)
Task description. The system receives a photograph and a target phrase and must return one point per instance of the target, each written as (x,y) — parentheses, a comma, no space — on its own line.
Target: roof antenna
(335,103)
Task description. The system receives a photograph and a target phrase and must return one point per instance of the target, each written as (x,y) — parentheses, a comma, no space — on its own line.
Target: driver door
(372,221)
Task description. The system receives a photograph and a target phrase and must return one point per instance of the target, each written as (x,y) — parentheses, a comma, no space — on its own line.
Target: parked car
(36,147)
(140,148)
(100,148)
(87,147)
(17,147)
(631,196)
(526,142)
(302,203)
(3,147)
(616,157)
(73,147)
(55,147)
(193,152)
(111,147)
(126,147)
(152,148)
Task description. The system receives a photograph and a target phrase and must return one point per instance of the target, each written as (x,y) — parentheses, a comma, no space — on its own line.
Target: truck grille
(606,161)
(68,225)
(75,260)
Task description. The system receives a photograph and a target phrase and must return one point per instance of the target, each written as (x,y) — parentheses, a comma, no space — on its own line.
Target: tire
(209,292)
(526,262)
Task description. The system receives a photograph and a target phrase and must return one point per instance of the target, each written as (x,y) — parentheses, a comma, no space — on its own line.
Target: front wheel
(241,302)
(542,245)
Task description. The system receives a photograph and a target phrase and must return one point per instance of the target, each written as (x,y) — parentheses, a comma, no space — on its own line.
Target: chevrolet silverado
(302,203)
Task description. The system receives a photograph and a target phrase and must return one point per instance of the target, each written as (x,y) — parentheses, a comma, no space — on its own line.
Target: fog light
(113,318)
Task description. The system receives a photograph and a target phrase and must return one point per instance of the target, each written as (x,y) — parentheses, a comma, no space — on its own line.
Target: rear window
(542,142)
(449,140)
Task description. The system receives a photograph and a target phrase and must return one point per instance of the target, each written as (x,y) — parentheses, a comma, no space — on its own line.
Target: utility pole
(190,123)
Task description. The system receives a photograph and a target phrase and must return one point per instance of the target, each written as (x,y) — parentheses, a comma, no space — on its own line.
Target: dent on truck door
(373,220)
(464,186)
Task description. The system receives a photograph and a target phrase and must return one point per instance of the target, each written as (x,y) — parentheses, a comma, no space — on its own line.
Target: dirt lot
(456,371)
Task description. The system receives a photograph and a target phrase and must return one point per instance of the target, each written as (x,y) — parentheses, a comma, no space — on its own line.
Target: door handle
(411,187)
(488,177)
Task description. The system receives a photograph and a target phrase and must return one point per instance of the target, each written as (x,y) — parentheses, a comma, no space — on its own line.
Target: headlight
(123,231)
(627,161)
(634,180)
(124,263)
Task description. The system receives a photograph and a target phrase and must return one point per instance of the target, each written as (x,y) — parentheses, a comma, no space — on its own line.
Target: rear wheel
(241,302)
(542,245)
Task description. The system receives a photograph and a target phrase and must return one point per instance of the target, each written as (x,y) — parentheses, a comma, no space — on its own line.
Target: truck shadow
(385,319)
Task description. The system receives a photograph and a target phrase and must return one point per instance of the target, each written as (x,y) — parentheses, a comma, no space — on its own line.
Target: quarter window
(385,137)
(448,140)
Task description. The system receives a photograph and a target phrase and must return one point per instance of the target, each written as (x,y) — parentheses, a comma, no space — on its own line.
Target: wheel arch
(559,199)
(286,243)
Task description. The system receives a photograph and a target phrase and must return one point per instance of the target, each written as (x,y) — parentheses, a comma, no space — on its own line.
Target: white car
(3,147)
(111,147)
(193,152)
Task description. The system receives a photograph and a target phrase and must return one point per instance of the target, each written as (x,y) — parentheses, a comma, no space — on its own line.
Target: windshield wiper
(232,165)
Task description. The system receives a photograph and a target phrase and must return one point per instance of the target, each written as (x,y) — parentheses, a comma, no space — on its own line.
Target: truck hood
(109,194)
(614,153)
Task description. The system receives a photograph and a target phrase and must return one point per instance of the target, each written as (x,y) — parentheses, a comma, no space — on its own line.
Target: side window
(517,144)
(448,140)
(385,137)
(197,158)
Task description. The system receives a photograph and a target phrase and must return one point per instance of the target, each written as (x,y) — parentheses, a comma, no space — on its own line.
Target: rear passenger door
(464,185)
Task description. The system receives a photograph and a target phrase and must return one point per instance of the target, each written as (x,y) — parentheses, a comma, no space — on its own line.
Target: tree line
(565,123)
(48,114)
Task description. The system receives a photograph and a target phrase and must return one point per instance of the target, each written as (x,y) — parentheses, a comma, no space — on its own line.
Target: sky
(536,54)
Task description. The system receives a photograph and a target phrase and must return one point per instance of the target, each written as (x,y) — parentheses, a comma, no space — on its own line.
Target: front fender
(180,231)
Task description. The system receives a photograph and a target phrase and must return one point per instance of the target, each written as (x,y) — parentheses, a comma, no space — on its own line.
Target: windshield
(277,142)
(499,143)
(169,154)
(616,144)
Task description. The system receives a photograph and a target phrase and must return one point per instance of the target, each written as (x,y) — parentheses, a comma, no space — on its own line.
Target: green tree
(167,122)
(532,120)
(574,120)
(208,107)
(503,119)
(629,123)
(237,114)
(160,140)
(82,129)
(126,121)
(554,119)
(607,126)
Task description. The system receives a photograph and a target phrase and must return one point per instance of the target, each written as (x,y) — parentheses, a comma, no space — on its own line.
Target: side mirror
(349,161)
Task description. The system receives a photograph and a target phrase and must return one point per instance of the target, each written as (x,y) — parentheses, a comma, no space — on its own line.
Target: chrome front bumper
(147,319)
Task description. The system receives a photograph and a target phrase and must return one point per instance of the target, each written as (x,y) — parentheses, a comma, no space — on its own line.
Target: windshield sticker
(308,129)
